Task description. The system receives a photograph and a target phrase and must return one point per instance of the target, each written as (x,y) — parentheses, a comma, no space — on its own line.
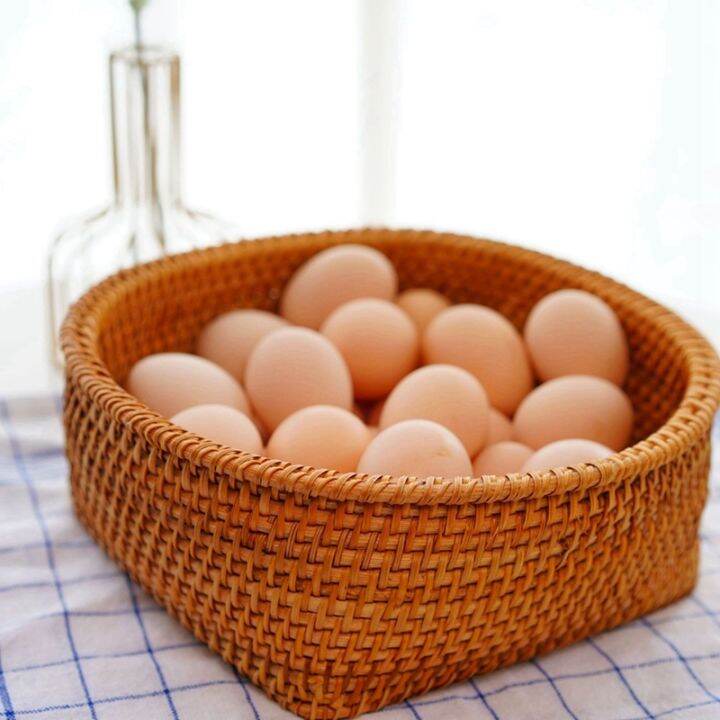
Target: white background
(586,128)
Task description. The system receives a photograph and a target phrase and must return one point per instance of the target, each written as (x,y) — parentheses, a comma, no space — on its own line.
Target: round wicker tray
(341,593)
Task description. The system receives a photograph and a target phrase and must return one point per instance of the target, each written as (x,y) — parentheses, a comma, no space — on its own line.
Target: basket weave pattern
(340,593)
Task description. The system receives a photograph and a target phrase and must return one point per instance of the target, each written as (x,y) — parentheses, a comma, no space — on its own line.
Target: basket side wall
(335,608)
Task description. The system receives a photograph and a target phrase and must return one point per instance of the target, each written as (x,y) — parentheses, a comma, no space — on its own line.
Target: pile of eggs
(352,376)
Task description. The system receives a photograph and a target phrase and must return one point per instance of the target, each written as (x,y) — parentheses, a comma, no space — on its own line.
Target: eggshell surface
(499,427)
(485,344)
(293,368)
(575,406)
(171,382)
(378,341)
(322,436)
(229,339)
(572,332)
(333,277)
(562,453)
(445,394)
(260,425)
(422,305)
(221,424)
(502,458)
(419,448)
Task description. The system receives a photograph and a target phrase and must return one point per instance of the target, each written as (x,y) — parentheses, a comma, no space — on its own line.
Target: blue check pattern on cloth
(79,640)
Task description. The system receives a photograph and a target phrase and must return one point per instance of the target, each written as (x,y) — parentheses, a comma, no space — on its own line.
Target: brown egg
(484,343)
(572,332)
(422,305)
(333,277)
(500,428)
(379,342)
(575,406)
(171,382)
(293,368)
(229,338)
(502,458)
(322,436)
(445,394)
(418,448)
(564,453)
(221,424)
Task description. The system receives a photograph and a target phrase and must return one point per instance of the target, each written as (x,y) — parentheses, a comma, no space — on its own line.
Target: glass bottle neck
(145,116)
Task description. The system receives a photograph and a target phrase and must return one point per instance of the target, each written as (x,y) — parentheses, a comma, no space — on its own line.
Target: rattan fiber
(339,594)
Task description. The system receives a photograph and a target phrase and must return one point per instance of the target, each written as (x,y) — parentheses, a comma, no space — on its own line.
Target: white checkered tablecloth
(79,640)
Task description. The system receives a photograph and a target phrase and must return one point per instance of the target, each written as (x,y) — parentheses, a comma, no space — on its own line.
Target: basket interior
(164,306)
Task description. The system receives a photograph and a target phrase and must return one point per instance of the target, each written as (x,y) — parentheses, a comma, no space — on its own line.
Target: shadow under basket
(341,593)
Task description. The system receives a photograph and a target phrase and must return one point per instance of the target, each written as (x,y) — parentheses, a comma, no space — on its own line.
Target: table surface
(79,640)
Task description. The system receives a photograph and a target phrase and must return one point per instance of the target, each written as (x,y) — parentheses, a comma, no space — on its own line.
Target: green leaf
(138,5)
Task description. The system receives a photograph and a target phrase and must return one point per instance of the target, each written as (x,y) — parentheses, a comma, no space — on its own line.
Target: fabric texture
(79,640)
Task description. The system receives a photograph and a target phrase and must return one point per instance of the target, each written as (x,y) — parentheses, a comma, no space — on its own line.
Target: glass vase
(146,217)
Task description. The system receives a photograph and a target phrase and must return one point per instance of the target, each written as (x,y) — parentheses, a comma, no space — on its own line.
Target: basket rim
(690,422)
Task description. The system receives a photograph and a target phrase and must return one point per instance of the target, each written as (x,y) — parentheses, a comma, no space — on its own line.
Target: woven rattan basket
(339,594)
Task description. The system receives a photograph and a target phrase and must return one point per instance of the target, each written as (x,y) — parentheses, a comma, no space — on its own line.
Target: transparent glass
(146,218)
